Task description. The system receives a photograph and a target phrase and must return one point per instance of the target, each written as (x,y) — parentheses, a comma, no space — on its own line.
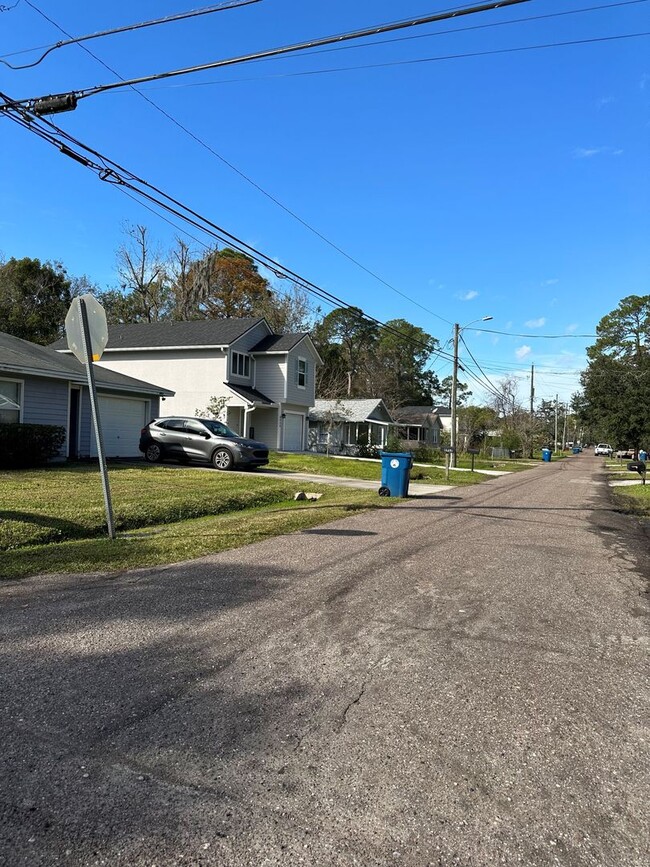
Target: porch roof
(250,395)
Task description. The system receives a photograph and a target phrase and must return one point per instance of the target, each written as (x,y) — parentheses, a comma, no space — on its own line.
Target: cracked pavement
(459,680)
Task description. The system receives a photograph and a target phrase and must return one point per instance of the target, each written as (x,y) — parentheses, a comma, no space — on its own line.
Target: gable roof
(24,358)
(354,410)
(278,342)
(415,415)
(165,335)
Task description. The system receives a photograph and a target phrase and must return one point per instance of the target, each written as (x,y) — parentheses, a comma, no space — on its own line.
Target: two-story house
(267,380)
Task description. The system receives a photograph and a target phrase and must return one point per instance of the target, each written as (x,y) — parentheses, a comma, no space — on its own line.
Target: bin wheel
(384,491)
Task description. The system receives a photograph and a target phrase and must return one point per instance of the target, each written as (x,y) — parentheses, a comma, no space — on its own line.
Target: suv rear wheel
(153,453)
(222,459)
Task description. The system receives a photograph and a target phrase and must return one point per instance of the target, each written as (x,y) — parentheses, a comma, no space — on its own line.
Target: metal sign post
(88,347)
(473,453)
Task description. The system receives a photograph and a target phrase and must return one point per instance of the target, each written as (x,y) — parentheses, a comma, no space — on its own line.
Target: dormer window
(240,365)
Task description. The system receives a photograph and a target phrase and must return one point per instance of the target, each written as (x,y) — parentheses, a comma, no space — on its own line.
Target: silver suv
(200,439)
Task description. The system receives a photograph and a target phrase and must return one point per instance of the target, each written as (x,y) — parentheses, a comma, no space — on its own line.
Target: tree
(345,340)
(226,283)
(287,312)
(624,333)
(615,403)
(34,299)
(443,393)
(214,409)
(398,365)
(143,276)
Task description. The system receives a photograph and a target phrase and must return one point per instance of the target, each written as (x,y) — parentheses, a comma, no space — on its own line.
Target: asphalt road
(460,680)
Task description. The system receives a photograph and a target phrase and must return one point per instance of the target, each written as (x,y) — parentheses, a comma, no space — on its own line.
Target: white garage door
(122,420)
(293,432)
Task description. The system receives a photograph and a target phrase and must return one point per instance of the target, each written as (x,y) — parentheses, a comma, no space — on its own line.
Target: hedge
(29,445)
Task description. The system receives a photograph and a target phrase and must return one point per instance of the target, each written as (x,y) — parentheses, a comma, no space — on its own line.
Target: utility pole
(556,422)
(454,389)
(532,410)
(532,388)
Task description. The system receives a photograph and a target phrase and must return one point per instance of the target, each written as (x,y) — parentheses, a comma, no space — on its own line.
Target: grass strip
(186,540)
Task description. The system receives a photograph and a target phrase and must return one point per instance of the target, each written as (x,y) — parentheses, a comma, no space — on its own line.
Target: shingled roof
(160,335)
(21,356)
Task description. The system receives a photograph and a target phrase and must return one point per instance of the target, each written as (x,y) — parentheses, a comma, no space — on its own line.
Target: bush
(393,443)
(29,445)
(364,450)
(426,455)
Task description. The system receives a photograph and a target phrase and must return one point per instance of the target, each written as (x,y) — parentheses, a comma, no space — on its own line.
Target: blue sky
(512,184)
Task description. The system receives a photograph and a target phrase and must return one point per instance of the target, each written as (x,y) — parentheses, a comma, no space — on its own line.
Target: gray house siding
(295,394)
(269,378)
(265,425)
(45,401)
(251,338)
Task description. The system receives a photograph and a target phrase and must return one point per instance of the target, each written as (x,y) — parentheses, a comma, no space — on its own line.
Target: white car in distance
(603,449)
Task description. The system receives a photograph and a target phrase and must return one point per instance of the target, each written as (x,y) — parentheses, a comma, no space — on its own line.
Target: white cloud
(469,296)
(522,352)
(550,282)
(571,329)
(587,153)
(536,323)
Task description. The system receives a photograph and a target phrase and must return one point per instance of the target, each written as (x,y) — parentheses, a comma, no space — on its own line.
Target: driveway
(459,680)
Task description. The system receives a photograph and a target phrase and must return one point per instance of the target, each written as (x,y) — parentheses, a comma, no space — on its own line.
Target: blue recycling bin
(546,455)
(643,455)
(395,468)
(576,450)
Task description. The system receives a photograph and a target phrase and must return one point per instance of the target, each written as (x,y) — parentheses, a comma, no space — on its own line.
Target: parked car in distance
(200,439)
(603,449)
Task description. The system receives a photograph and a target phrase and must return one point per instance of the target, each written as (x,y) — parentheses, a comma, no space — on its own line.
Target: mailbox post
(449,452)
(638,467)
(473,453)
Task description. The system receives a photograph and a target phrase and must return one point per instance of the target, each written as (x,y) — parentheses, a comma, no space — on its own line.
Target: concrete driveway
(459,680)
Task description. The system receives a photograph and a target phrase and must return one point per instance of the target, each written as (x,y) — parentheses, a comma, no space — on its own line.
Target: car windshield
(218,428)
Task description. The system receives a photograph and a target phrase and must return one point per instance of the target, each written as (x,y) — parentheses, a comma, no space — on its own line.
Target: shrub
(365,450)
(426,455)
(29,445)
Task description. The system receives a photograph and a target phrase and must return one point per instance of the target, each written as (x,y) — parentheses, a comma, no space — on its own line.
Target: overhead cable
(180,16)
(111,172)
(286,49)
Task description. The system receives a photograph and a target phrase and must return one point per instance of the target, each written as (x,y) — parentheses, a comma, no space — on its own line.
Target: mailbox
(637,467)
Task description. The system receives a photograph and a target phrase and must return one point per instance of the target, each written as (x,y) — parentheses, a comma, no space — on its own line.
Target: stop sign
(97,328)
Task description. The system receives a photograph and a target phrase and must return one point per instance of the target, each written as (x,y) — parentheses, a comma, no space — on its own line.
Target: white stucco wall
(195,375)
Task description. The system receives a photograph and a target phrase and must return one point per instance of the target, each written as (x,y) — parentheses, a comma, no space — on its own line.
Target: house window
(301,371)
(10,398)
(241,364)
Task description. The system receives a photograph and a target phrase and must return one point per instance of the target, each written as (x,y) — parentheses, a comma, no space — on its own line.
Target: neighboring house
(41,386)
(267,379)
(341,426)
(418,426)
(444,414)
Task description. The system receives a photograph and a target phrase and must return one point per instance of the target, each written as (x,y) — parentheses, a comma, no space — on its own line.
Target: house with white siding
(41,386)
(267,380)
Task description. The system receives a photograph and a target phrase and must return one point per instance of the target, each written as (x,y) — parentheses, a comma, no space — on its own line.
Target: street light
(454,383)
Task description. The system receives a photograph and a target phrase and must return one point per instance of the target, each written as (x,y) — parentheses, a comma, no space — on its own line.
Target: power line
(536,336)
(39,105)
(438,58)
(487,378)
(249,180)
(75,40)
(111,172)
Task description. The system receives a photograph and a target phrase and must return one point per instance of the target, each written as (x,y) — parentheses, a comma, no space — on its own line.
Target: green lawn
(53,520)
(634,499)
(350,468)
